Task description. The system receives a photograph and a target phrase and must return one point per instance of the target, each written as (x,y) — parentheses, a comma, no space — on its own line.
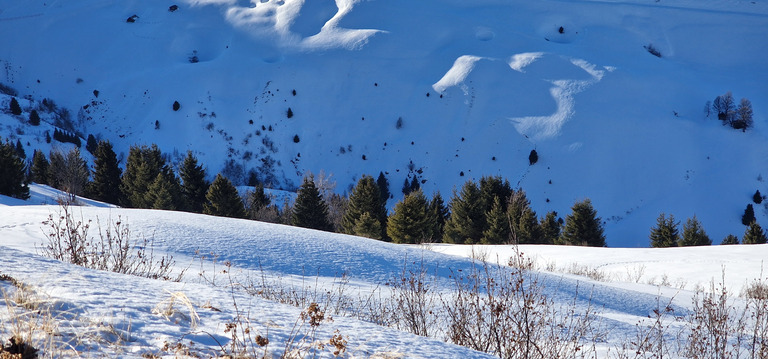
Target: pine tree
(365,198)
(498,229)
(665,233)
(694,234)
(757,197)
(748,216)
(467,221)
(368,226)
(34,118)
(163,193)
(492,187)
(528,230)
(106,175)
(194,187)
(223,200)
(410,220)
(383,185)
(439,214)
(13,173)
(39,170)
(583,227)
(257,200)
(20,150)
(14,107)
(310,211)
(550,228)
(730,239)
(754,234)
(141,169)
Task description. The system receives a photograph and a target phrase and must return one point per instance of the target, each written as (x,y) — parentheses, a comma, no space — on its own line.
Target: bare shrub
(505,313)
(653,338)
(115,250)
(414,301)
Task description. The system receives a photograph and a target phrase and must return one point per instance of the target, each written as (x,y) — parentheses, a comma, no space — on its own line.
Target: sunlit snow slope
(477,85)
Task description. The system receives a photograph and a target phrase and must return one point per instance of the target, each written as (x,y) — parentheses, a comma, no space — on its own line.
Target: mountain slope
(444,90)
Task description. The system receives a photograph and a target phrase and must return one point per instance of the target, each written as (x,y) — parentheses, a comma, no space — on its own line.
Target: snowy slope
(120,317)
(477,85)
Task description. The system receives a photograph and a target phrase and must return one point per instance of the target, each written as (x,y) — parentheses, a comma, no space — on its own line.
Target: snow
(609,121)
(127,317)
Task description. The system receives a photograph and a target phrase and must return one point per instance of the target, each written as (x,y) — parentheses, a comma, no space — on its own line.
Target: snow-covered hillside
(102,313)
(441,89)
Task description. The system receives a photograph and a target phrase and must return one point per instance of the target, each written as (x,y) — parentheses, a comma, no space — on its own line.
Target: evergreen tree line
(666,233)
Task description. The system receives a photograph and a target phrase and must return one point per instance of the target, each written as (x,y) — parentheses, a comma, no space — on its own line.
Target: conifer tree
(438,215)
(20,150)
(39,170)
(730,239)
(550,228)
(223,200)
(257,200)
(498,229)
(528,230)
(106,175)
(665,233)
(368,226)
(754,234)
(55,165)
(12,173)
(162,194)
(310,211)
(517,204)
(383,184)
(410,220)
(694,234)
(194,186)
(748,216)
(34,118)
(141,169)
(467,221)
(757,197)
(583,226)
(14,107)
(365,198)
(492,187)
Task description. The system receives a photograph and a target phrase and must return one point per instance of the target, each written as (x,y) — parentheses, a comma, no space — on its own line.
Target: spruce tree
(730,239)
(193,183)
(20,150)
(368,226)
(141,169)
(34,118)
(257,200)
(467,221)
(550,228)
(757,197)
(310,211)
(754,234)
(492,187)
(383,184)
(498,229)
(106,175)
(14,107)
(165,192)
(365,198)
(517,205)
(223,200)
(528,230)
(410,220)
(665,233)
(748,216)
(438,215)
(55,166)
(583,226)
(694,234)
(13,173)
(39,170)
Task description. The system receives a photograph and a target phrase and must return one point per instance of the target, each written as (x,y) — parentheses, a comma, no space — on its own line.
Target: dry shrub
(115,250)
